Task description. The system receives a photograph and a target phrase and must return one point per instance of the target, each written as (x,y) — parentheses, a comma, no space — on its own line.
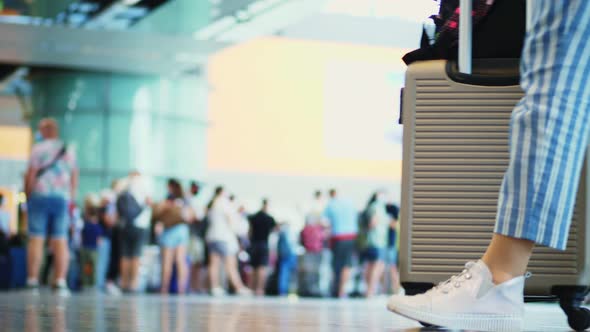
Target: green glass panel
(85,132)
(179,17)
(72,91)
(89,183)
(118,136)
(129,94)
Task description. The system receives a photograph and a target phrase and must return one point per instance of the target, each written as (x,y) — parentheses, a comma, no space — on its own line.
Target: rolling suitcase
(455,155)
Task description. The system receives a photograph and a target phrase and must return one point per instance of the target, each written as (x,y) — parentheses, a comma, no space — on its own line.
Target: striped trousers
(549,127)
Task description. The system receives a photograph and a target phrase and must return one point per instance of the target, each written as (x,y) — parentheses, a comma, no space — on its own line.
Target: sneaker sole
(479,322)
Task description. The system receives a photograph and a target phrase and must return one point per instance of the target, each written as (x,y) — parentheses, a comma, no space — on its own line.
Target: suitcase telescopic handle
(465,36)
(466,33)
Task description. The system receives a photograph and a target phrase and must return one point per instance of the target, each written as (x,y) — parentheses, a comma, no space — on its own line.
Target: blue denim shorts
(374,254)
(48,216)
(175,236)
(391,256)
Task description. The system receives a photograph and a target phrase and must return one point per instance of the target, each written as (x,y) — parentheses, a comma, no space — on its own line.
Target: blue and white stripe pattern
(549,126)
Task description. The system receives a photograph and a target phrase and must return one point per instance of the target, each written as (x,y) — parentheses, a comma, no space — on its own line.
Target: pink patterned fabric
(480,10)
(56,180)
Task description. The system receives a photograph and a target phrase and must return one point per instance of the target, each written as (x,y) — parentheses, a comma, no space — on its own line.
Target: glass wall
(118,123)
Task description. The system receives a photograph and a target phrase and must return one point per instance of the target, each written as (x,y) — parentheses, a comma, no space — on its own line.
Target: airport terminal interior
(264,165)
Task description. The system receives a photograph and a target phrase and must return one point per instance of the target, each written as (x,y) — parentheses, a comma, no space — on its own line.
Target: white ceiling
(388,32)
(392,23)
(120,51)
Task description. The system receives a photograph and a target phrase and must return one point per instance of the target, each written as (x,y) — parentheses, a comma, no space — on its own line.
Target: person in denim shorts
(51,181)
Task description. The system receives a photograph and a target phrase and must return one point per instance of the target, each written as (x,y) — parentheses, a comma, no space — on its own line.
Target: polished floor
(23,312)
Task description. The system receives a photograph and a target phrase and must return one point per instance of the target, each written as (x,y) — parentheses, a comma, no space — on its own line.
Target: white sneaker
(468,301)
(217,292)
(61,289)
(112,289)
(244,292)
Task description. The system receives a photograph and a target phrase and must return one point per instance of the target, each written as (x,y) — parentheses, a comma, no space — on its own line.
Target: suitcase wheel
(579,319)
(571,299)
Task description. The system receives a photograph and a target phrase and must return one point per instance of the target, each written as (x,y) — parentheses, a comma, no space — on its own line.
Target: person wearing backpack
(51,181)
(135,216)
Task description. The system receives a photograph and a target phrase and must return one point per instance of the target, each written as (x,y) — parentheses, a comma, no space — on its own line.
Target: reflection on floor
(23,312)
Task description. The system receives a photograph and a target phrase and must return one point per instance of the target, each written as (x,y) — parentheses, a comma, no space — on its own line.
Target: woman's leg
(134,273)
(214,263)
(167,265)
(377,276)
(195,275)
(394,272)
(125,273)
(181,268)
(253,281)
(370,279)
(231,267)
(507,257)
(260,276)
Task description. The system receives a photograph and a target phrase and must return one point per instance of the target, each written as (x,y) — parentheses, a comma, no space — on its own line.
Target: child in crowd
(91,234)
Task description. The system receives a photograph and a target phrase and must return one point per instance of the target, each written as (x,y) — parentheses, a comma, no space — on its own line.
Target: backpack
(128,208)
(312,238)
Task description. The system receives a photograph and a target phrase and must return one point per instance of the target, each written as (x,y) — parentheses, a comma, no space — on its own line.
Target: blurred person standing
(196,250)
(312,237)
(172,216)
(262,224)
(316,208)
(222,244)
(51,181)
(287,258)
(4,227)
(91,237)
(114,267)
(378,225)
(342,218)
(107,217)
(391,257)
(135,216)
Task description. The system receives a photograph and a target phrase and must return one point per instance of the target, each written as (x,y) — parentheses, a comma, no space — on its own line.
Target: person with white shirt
(223,244)
(133,208)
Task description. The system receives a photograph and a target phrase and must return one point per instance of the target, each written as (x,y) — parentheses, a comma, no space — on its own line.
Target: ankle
(499,273)
(500,277)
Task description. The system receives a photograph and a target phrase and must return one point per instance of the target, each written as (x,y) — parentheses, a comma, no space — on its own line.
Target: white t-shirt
(315,214)
(198,206)
(220,224)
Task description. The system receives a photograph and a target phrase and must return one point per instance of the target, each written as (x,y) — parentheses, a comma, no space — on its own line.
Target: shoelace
(456,280)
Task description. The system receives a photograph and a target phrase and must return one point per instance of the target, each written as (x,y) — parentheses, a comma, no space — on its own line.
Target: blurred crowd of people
(215,246)
(204,244)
